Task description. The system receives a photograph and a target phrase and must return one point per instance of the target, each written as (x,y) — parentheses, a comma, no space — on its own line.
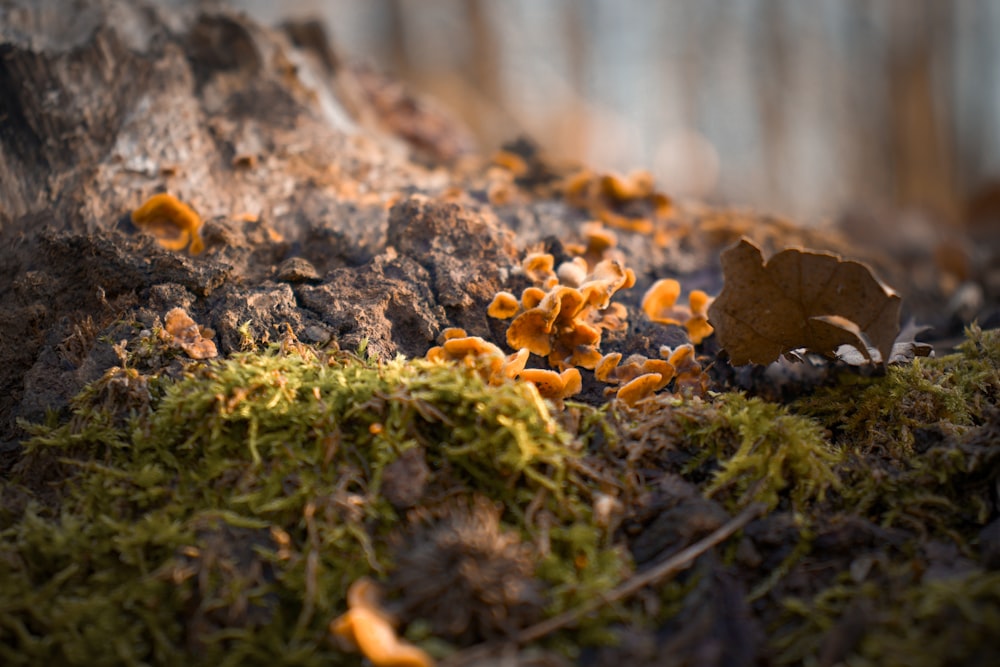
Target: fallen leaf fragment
(800,299)
(180,330)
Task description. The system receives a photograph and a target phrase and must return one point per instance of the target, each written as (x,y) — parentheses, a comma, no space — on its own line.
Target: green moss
(220,518)
(910,461)
(952,620)
(885,415)
(759,451)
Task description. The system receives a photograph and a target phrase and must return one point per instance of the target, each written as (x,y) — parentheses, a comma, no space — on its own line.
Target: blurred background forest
(808,108)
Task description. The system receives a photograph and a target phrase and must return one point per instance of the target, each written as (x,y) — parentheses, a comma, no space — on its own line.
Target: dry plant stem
(682,560)
(671,566)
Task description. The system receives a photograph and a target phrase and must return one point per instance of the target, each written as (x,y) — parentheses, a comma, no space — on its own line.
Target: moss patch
(216,513)
(224,514)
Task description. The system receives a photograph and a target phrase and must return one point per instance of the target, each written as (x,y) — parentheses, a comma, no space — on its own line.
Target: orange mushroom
(503,307)
(171,221)
(511,161)
(531,297)
(538,266)
(697,325)
(639,388)
(489,360)
(453,332)
(606,366)
(577,188)
(689,374)
(662,368)
(659,303)
(553,385)
(532,330)
(367,628)
(182,331)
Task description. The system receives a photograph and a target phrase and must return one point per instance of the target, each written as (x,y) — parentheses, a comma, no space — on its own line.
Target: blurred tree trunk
(920,38)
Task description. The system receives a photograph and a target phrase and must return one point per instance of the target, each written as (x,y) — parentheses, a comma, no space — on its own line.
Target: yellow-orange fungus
(606,366)
(661,367)
(698,329)
(531,297)
(658,302)
(182,331)
(514,363)
(452,332)
(538,266)
(458,348)
(171,221)
(531,330)
(504,306)
(552,385)
(680,358)
(586,356)
(366,628)
(639,388)
(511,161)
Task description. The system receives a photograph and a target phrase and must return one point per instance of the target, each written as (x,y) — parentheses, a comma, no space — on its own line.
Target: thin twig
(633,585)
(680,561)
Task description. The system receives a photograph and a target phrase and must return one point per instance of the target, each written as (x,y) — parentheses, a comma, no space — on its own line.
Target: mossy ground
(218,515)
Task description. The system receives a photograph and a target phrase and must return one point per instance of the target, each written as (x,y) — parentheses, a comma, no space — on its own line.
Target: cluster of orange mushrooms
(562,318)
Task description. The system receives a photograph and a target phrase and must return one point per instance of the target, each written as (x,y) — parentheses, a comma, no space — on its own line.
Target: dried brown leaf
(800,299)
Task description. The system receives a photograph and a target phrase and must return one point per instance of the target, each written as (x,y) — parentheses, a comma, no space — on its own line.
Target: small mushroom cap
(613,318)
(367,628)
(532,330)
(699,301)
(513,364)
(658,301)
(503,307)
(549,383)
(607,278)
(183,332)
(599,238)
(171,221)
(572,382)
(606,366)
(453,332)
(538,266)
(458,348)
(698,329)
(570,301)
(586,356)
(629,279)
(552,385)
(639,388)
(618,188)
(531,297)
(511,161)
(631,368)
(576,188)
(664,368)
(680,358)
(580,333)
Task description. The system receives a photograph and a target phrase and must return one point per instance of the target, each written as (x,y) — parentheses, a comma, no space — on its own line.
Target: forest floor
(291,425)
